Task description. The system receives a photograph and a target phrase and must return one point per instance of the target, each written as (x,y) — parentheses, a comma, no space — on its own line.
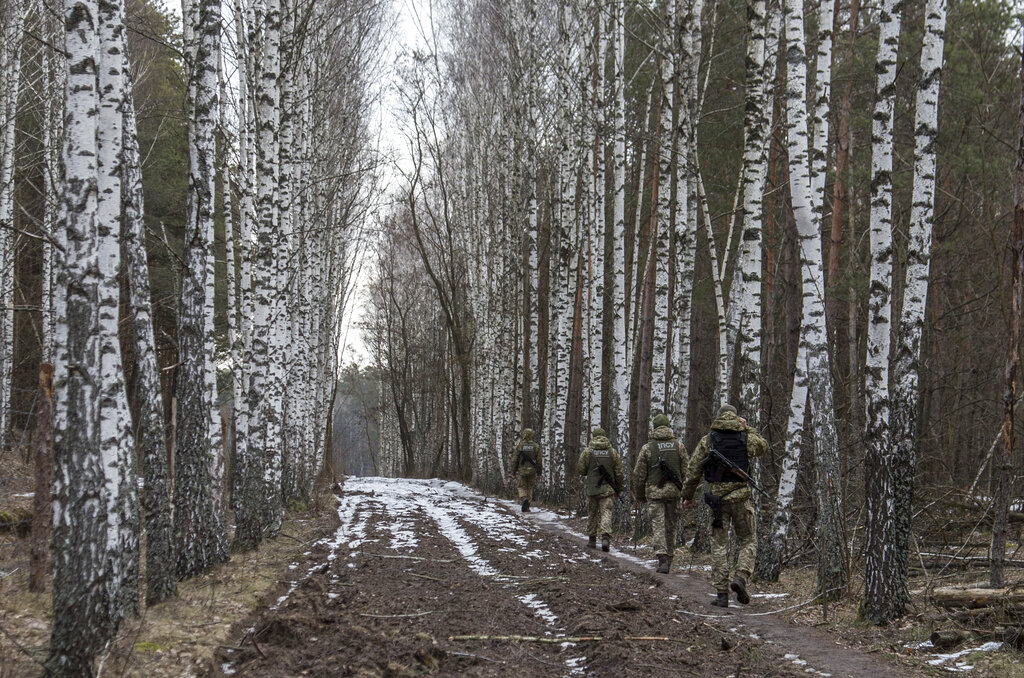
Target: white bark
(619,426)
(196,531)
(10,80)
(596,239)
(667,149)
(150,444)
(811,414)
(893,596)
(878,455)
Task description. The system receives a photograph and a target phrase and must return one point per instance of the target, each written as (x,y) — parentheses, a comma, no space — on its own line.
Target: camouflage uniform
(526,465)
(736,507)
(600,493)
(652,483)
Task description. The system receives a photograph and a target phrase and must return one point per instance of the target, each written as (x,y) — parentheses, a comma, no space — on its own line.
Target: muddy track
(429,577)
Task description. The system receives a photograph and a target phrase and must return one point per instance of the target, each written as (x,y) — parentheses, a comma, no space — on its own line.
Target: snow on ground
(949,661)
(449,505)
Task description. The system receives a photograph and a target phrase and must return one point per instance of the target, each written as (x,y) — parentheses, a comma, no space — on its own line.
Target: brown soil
(375,611)
(368,605)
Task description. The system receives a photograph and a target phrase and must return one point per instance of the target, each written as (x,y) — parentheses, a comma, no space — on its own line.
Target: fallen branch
(566,639)
(385,555)
(258,650)
(396,616)
(936,560)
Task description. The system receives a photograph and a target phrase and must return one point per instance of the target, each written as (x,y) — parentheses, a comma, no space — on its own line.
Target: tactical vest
(667,450)
(528,455)
(733,446)
(596,484)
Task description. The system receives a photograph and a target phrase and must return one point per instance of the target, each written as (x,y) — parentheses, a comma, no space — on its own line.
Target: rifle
(668,474)
(736,469)
(606,477)
(529,460)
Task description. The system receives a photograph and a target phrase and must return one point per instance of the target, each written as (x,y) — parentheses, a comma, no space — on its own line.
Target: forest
(557,215)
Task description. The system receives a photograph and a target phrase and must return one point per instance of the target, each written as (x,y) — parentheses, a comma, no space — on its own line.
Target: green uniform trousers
(525,482)
(741,515)
(664,516)
(599,516)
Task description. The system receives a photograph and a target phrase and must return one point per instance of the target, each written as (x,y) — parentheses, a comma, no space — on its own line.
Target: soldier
(728,496)
(657,477)
(526,467)
(601,465)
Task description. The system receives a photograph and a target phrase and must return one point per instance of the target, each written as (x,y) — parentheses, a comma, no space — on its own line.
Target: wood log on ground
(938,561)
(978,597)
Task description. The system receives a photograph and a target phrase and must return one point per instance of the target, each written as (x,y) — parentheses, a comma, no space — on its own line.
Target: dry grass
(175,638)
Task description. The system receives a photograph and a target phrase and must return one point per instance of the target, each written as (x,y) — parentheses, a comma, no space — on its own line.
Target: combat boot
(592,541)
(606,542)
(662,563)
(722,600)
(739,587)
(526,506)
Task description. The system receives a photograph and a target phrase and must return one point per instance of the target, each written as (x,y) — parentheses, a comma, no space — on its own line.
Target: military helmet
(660,419)
(726,407)
(598,432)
(528,433)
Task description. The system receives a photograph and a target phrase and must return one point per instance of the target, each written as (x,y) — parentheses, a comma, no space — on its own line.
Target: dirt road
(427,576)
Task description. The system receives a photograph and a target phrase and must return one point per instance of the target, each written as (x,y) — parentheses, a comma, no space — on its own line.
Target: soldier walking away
(602,467)
(527,467)
(722,457)
(657,478)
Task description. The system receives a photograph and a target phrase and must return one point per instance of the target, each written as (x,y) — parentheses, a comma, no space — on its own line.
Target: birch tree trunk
(756,130)
(10,79)
(82,604)
(150,444)
(599,384)
(906,362)
(878,491)
(684,235)
(194,520)
(251,518)
(619,422)
(811,412)
(666,153)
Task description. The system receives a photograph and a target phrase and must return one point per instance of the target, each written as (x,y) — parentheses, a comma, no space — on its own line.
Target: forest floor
(412,577)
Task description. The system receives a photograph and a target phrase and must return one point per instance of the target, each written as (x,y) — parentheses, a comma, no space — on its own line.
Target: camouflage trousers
(664,516)
(741,515)
(599,515)
(525,482)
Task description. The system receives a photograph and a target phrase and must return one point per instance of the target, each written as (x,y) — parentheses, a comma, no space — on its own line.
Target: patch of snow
(539,608)
(943,658)
(227,669)
(769,595)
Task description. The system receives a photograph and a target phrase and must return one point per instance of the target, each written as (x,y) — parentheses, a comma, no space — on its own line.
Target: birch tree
(150,444)
(811,413)
(194,520)
(89,596)
(878,455)
(12,18)
(619,425)
(889,601)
